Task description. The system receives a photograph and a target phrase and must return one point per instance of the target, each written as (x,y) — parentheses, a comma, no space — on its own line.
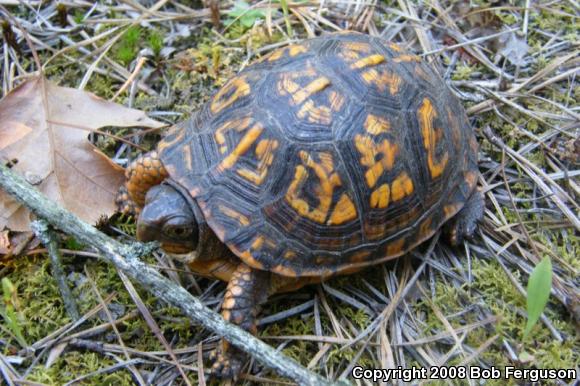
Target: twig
(131,78)
(47,236)
(126,258)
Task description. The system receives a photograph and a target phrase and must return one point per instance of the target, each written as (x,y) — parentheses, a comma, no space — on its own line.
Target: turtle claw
(464,224)
(225,365)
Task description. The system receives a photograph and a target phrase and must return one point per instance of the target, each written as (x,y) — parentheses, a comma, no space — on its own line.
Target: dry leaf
(14,243)
(5,244)
(514,48)
(53,152)
(54,354)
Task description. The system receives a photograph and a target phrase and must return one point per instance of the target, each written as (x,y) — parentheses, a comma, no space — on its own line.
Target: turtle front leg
(463,225)
(246,291)
(144,172)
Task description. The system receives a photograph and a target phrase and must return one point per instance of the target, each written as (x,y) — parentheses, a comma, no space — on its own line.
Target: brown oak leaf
(43,134)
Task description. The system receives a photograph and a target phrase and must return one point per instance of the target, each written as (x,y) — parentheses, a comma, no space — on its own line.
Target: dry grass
(514,64)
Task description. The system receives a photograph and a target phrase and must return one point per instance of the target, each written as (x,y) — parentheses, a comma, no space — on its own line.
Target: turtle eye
(177,231)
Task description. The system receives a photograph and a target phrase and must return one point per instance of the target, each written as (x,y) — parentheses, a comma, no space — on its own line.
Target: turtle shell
(326,156)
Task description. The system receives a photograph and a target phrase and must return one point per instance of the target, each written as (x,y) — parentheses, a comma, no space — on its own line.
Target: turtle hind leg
(143,173)
(464,223)
(246,291)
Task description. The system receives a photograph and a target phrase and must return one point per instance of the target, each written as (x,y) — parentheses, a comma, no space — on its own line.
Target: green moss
(462,72)
(74,364)
(78,16)
(42,312)
(155,42)
(243,15)
(493,288)
(507,18)
(125,50)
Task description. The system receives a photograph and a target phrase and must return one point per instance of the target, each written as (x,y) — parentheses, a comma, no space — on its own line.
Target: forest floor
(513,65)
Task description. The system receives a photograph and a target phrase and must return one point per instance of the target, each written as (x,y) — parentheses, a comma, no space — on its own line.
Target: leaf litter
(44,132)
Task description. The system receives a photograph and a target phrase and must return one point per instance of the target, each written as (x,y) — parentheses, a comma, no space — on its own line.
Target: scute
(327,156)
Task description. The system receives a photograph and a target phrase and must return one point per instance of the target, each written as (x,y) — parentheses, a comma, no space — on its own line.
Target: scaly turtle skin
(322,158)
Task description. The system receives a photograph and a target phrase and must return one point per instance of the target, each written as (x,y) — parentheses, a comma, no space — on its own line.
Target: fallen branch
(47,236)
(126,258)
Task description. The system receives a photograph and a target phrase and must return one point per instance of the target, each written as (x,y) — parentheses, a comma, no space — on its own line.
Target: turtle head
(167,217)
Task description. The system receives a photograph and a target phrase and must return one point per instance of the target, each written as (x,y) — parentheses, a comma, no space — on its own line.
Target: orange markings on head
(401,187)
(380,197)
(395,248)
(431,136)
(229,93)
(343,211)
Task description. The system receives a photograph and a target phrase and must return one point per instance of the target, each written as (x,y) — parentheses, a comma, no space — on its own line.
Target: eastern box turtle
(322,158)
